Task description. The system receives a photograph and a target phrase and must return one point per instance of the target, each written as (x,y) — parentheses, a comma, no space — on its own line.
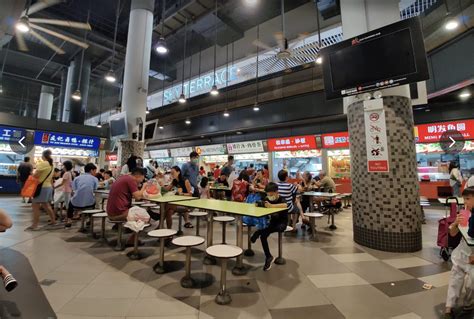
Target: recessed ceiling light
(465,95)
(319,60)
(161,127)
(226,113)
(451,24)
(188,121)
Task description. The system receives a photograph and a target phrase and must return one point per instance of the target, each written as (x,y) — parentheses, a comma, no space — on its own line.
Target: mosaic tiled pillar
(386,208)
(130,147)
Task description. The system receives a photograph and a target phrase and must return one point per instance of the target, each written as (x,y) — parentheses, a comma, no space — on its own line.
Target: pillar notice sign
(376,136)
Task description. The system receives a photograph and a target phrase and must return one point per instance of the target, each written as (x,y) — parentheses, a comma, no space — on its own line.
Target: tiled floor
(332,278)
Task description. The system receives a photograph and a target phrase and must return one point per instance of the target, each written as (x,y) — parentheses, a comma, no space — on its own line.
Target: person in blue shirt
(462,272)
(83,187)
(190,171)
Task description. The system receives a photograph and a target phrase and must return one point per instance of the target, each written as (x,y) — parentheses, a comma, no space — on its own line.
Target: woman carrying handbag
(44,190)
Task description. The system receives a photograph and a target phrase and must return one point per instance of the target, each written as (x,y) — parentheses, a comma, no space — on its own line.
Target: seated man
(83,187)
(122,192)
(326,183)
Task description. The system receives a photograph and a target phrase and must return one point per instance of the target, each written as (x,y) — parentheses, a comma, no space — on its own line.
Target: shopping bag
(29,189)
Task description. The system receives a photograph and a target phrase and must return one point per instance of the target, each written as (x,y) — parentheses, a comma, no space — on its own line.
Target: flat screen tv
(390,56)
(118,125)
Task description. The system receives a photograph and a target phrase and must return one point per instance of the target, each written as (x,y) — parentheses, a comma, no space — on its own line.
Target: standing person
(23,172)
(288,192)
(462,271)
(44,192)
(217,172)
(190,172)
(83,186)
(228,167)
(130,165)
(455,178)
(277,223)
(67,183)
(58,193)
(150,170)
(266,173)
(240,187)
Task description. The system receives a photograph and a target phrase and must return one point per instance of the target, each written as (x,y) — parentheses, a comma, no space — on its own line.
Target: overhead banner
(160,154)
(430,133)
(216,149)
(293,143)
(245,147)
(8,134)
(181,152)
(376,136)
(335,140)
(66,140)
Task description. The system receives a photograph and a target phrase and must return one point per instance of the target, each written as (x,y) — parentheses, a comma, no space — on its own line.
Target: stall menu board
(245,147)
(294,143)
(335,140)
(159,154)
(216,149)
(111,157)
(428,133)
(181,152)
(8,134)
(66,140)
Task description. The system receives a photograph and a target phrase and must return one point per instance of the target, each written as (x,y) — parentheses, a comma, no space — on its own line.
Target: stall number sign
(245,147)
(8,134)
(66,140)
(292,143)
(376,136)
(217,149)
(428,133)
(181,152)
(336,140)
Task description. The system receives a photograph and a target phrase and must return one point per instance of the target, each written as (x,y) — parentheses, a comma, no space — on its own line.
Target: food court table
(216,189)
(232,208)
(325,196)
(173,199)
(469,240)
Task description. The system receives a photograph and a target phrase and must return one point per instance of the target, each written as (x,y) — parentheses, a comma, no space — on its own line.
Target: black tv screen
(118,125)
(386,57)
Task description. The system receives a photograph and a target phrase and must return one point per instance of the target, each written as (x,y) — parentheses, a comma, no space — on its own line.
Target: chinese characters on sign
(376,136)
(427,133)
(181,152)
(292,143)
(245,147)
(8,134)
(66,140)
(159,154)
(217,149)
(336,140)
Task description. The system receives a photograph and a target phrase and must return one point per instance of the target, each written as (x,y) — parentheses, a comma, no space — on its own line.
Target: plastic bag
(137,219)
(152,189)
(30,186)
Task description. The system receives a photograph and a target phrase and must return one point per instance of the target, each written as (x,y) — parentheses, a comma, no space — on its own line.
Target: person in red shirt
(217,172)
(240,187)
(202,171)
(122,192)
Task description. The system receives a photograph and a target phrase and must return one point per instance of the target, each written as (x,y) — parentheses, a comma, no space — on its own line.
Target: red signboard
(293,143)
(335,140)
(430,133)
(378,166)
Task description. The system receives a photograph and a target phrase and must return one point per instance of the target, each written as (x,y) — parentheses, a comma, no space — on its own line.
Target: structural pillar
(45,107)
(62,95)
(75,111)
(135,80)
(386,208)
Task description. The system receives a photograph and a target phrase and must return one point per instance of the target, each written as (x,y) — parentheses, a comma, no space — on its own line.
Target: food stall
(79,149)
(338,161)
(212,155)
(162,157)
(246,153)
(111,160)
(296,154)
(180,155)
(433,162)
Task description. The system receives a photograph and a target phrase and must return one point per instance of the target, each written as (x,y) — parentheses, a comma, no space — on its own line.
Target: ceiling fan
(285,52)
(25,24)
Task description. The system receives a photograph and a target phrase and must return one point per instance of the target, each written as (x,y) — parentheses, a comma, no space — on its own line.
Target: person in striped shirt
(288,192)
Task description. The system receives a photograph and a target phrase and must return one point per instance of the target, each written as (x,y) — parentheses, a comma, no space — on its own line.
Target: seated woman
(183,187)
(240,187)
(259,182)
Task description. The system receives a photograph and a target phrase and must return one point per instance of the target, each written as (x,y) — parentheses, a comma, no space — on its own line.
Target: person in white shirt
(455,179)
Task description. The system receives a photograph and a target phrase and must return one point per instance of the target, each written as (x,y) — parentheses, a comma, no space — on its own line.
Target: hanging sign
(110,157)
(8,134)
(216,149)
(294,143)
(429,133)
(181,152)
(66,140)
(376,136)
(159,154)
(335,140)
(245,147)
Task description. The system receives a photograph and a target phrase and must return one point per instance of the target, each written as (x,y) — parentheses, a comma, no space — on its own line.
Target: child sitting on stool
(277,223)
(462,272)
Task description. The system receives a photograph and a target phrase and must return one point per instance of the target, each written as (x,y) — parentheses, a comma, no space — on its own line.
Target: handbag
(40,185)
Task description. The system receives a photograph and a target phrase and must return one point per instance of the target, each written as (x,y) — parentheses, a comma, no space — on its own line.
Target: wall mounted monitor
(390,56)
(118,125)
